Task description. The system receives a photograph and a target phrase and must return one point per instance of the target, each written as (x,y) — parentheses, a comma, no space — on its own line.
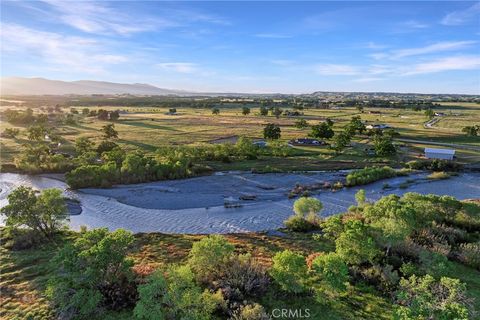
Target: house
(445,154)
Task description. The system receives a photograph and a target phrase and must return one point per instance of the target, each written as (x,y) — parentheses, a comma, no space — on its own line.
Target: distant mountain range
(41,86)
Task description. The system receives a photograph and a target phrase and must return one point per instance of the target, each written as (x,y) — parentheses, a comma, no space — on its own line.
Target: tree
(360,108)
(215,111)
(114,115)
(263,111)
(332,271)
(301,123)
(355,125)
(289,270)
(384,146)
(277,112)
(354,245)
(85,111)
(429,113)
(360,197)
(471,131)
(305,206)
(174,295)
(208,254)
(341,141)
(427,298)
(45,214)
(322,130)
(109,131)
(272,131)
(102,114)
(93,273)
(83,144)
(36,133)
(245,111)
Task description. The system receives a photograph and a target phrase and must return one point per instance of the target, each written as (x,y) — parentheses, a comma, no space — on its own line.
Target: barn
(445,154)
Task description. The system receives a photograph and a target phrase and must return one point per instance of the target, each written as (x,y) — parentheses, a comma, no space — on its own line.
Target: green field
(147,128)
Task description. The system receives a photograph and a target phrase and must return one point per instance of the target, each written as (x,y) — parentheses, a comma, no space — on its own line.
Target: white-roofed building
(445,154)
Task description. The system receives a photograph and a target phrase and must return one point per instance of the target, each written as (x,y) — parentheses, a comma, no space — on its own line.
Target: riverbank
(197,205)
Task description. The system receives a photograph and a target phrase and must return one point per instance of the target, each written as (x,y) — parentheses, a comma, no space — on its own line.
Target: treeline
(115,166)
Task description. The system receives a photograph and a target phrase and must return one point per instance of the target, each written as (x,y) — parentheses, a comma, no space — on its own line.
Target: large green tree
(45,213)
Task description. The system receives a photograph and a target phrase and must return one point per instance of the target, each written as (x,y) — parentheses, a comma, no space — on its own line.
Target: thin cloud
(273,35)
(367,79)
(467,62)
(76,53)
(436,47)
(335,69)
(99,18)
(460,17)
(180,67)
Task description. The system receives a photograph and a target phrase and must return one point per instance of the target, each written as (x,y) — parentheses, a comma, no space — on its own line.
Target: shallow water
(196,205)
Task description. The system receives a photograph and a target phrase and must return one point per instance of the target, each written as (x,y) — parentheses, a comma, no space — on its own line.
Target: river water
(196,205)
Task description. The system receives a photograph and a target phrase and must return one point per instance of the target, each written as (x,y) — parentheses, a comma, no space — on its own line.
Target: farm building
(445,154)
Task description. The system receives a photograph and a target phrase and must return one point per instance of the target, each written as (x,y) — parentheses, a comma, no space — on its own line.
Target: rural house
(445,154)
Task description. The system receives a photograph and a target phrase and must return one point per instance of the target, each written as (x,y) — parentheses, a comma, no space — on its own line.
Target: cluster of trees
(95,275)
(306,215)
(20,117)
(471,131)
(107,164)
(108,115)
(369,174)
(434,165)
(403,246)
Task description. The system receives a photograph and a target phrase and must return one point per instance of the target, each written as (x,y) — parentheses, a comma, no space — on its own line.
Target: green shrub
(439,175)
(208,256)
(93,273)
(298,224)
(174,295)
(289,270)
(354,245)
(332,271)
(250,312)
(368,175)
(427,298)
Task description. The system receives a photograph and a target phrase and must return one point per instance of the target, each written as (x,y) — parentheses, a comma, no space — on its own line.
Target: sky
(258,47)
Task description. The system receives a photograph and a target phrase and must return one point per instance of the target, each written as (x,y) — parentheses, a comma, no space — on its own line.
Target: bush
(289,270)
(426,298)
(469,254)
(93,272)
(174,295)
(208,256)
(21,239)
(368,175)
(298,224)
(242,277)
(439,175)
(354,245)
(251,312)
(434,264)
(332,227)
(332,271)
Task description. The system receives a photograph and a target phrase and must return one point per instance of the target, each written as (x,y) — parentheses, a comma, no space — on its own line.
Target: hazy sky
(292,47)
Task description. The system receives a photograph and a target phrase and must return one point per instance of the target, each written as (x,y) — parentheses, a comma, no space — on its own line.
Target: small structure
(306,142)
(378,126)
(444,154)
(260,143)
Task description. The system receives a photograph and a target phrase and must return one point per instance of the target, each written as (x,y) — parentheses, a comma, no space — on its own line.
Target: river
(196,205)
